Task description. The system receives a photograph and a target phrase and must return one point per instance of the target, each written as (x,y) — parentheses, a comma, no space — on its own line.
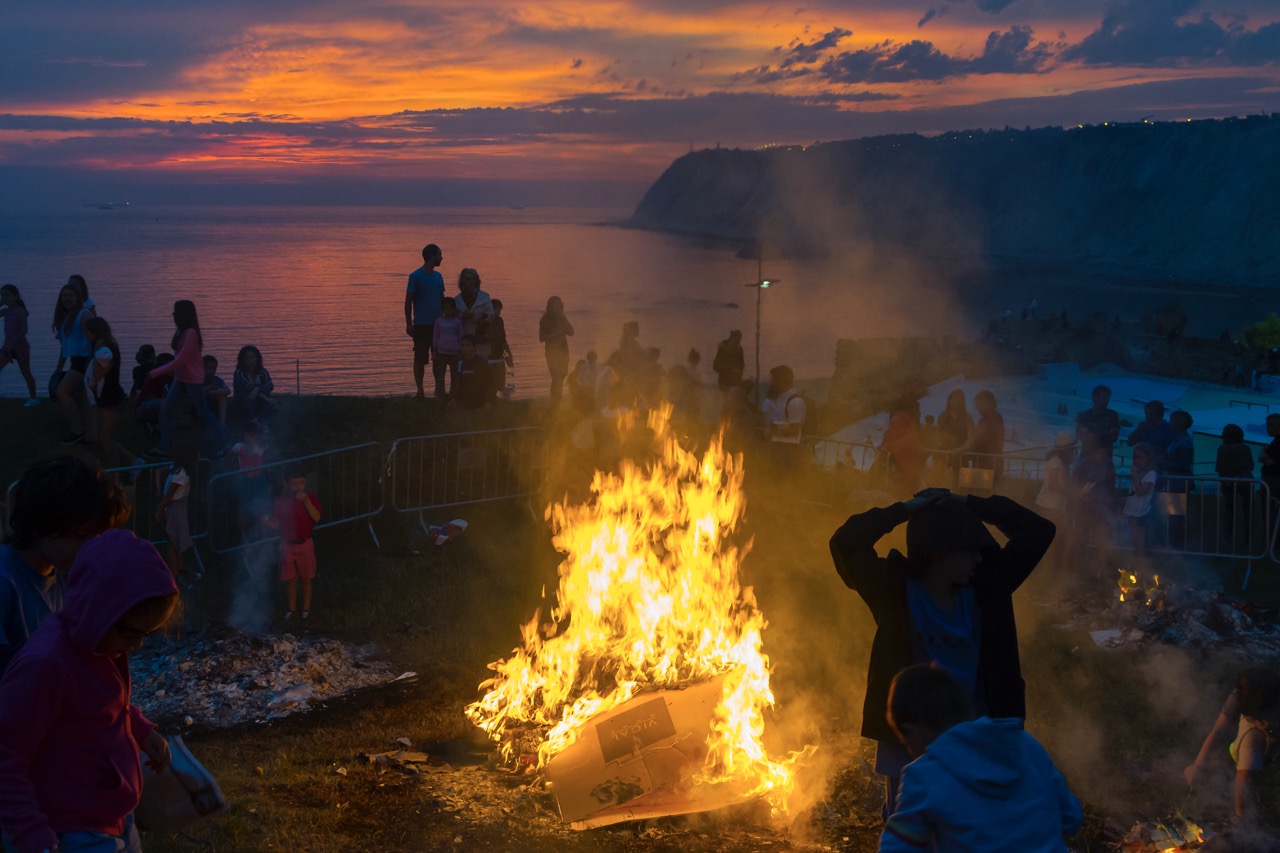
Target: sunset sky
(300,99)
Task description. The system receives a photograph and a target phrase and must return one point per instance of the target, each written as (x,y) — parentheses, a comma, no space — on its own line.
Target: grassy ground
(1121,724)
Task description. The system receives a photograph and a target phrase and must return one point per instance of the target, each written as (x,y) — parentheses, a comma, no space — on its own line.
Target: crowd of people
(945,699)
(463,337)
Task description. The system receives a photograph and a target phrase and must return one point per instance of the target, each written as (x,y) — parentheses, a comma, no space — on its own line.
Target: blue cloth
(26,597)
(72,337)
(949,638)
(984,786)
(95,842)
(427,289)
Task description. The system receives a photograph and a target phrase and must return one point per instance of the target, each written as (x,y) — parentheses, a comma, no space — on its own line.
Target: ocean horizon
(320,290)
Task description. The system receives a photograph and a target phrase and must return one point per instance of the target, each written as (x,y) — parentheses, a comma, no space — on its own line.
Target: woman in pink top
(187,368)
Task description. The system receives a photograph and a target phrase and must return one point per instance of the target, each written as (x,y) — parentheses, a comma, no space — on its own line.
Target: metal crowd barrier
(436,471)
(347,482)
(1203,516)
(829,454)
(144,487)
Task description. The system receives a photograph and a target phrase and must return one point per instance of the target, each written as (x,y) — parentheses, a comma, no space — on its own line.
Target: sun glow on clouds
(493,86)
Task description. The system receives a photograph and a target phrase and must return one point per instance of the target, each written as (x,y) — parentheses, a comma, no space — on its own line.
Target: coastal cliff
(1189,201)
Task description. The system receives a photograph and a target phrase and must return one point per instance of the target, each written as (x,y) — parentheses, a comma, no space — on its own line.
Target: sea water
(320,290)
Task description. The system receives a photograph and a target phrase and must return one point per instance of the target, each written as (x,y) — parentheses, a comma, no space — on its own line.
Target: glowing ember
(649,599)
(1130,590)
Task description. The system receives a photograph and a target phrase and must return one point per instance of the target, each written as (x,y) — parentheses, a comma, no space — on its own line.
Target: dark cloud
(1010,52)
(660,124)
(1158,33)
(928,16)
(63,50)
(807,54)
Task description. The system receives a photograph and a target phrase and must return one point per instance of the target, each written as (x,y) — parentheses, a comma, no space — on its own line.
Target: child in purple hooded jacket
(70,769)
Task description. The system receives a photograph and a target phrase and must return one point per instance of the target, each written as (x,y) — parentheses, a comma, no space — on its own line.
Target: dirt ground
(302,784)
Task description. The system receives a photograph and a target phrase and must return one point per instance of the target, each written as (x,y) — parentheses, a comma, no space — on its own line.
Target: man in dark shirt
(1270,457)
(1155,430)
(1099,425)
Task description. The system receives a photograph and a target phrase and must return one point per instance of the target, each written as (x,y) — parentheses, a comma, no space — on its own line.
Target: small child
(295,514)
(16,348)
(499,352)
(150,399)
(172,510)
(70,774)
(216,391)
(446,343)
(1250,719)
(1142,490)
(981,784)
(472,390)
(252,491)
(146,362)
(59,504)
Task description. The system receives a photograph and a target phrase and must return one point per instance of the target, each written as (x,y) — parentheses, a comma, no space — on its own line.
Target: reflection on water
(324,288)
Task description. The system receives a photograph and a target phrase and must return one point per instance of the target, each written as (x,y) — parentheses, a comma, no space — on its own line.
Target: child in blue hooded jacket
(70,738)
(976,786)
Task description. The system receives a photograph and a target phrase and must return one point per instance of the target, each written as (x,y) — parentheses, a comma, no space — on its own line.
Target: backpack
(810,424)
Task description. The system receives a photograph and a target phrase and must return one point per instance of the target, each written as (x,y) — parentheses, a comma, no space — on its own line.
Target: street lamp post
(759,284)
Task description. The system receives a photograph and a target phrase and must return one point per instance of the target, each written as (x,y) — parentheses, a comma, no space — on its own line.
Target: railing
(1195,515)
(1204,517)
(1248,404)
(828,454)
(437,471)
(144,486)
(347,482)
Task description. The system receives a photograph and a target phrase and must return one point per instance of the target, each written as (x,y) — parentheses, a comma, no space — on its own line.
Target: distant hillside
(1193,201)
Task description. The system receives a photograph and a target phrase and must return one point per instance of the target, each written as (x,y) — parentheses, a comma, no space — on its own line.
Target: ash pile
(1208,620)
(221,680)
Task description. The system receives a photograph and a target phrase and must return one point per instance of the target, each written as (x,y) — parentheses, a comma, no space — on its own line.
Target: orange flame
(648,598)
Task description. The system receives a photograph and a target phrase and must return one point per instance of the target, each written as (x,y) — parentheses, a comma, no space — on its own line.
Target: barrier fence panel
(436,471)
(1202,516)
(828,454)
(347,483)
(144,487)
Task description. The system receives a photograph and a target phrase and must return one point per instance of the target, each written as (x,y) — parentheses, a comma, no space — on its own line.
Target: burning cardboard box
(641,760)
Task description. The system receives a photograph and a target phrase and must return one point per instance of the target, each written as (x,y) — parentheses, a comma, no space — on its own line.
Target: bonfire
(645,691)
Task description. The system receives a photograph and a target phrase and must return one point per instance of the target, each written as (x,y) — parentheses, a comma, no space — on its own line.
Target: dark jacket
(882,583)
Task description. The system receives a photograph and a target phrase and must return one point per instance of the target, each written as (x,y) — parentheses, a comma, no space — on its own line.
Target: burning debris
(1171,835)
(221,681)
(1148,611)
(645,693)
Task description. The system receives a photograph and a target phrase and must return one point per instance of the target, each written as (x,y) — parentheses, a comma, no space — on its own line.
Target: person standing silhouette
(421,308)
(554,330)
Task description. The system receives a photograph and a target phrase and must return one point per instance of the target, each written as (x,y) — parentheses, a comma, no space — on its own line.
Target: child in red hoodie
(70,770)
